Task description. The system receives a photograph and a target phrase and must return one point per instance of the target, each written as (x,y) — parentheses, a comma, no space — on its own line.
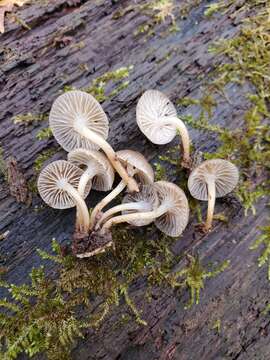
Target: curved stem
(105,201)
(211,186)
(134,216)
(86,176)
(181,127)
(82,211)
(106,147)
(140,206)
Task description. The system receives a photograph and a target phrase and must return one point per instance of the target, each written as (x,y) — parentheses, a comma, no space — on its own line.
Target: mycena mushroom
(138,167)
(97,169)
(170,216)
(158,121)
(57,185)
(210,180)
(77,120)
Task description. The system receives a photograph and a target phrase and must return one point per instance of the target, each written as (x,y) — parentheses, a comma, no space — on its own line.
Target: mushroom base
(202,228)
(87,245)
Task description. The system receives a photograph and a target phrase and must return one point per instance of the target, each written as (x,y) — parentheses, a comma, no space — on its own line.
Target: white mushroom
(158,121)
(137,166)
(57,184)
(210,180)
(98,169)
(77,120)
(171,216)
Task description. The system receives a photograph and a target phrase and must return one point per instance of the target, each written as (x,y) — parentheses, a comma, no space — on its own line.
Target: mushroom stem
(105,201)
(134,216)
(82,211)
(211,187)
(106,147)
(86,176)
(181,127)
(140,206)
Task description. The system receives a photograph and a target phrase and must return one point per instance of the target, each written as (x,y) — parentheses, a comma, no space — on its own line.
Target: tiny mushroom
(137,166)
(158,121)
(210,180)
(171,216)
(57,185)
(77,120)
(144,201)
(98,170)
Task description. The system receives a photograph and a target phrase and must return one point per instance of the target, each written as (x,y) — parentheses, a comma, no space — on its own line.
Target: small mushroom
(210,180)
(57,184)
(77,120)
(158,121)
(98,170)
(137,166)
(171,216)
(144,201)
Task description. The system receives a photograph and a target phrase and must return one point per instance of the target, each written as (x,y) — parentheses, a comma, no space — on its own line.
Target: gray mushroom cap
(51,181)
(152,108)
(94,160)
(223,172)
(77,106)
(148,195)
(144,173)
(175,220)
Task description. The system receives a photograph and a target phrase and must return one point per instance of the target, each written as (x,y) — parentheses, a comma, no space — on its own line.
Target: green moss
(3,167)
(44,134)
(217,326)
(29,118)
(42,158)
(263,241)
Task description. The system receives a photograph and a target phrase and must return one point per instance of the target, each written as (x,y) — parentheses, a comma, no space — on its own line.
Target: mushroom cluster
(80,126)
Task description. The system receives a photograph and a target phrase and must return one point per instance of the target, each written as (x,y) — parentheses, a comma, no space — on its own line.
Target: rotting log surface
(32,72)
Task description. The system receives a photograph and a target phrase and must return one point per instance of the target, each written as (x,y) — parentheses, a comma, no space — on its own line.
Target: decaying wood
(35,65)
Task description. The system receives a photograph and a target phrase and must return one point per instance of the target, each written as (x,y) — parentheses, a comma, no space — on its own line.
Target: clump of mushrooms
(158,121)
(210,180)
(77,120)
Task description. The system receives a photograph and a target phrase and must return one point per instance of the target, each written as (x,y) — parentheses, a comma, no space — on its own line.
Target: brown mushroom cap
(144,173)
(95,161)
(224,173)
(175,219)
(148,195)
(152,108)
(52,179)
(77,106)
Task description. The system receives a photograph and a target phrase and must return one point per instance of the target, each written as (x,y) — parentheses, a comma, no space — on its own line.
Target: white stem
(106,147)
(140,206)
(211,187)
(105,201)
(181,127)
(134,216)
(82,211)
(86,176)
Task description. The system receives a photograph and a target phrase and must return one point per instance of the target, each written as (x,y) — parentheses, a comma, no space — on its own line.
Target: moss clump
(29,118)
(42,158)
(44,134)
(47,315)
(98,86)
(3,166)
(263,241)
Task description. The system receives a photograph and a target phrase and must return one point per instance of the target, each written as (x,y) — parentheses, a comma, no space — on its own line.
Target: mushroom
(77,120)
(57,184)
(210,180)
(144,201)
(137,167)
(171,216)
(158,121)
(98,170)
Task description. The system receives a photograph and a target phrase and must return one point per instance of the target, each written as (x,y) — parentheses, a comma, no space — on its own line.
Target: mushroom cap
(77,106)
(94,160)
(53,177)
(175,220)
(133,159)
(149,196)
(224,173)
(152,108)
